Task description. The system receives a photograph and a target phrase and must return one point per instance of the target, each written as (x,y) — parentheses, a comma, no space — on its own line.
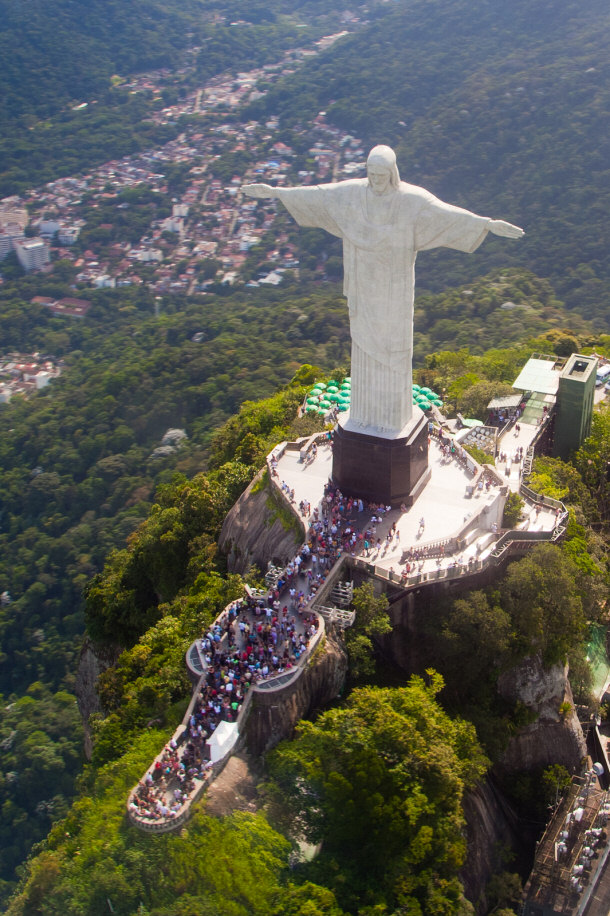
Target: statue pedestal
(389,471)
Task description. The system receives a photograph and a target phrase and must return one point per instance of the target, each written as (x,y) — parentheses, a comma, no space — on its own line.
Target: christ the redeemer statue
(383,222)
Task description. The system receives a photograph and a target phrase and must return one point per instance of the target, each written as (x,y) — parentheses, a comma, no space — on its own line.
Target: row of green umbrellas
(425,398)
(324,396)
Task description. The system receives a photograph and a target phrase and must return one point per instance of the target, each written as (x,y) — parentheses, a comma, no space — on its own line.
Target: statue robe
(381,238)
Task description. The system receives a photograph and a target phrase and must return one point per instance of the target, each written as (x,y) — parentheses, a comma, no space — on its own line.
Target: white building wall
(32,253)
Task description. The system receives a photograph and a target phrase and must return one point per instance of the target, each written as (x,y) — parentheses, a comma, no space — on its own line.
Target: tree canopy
(378,782)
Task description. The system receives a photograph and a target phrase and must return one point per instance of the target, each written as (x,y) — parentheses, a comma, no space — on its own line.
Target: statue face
(379,178)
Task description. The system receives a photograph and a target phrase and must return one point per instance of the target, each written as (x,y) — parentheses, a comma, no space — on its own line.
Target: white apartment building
(9,232)
(67,235)
(32,254)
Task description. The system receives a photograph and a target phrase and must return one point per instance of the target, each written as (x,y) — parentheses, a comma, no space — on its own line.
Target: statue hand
(260,191)
(507,230)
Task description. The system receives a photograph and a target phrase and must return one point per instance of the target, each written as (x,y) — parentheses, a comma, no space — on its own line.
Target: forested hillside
(63,54)
(502,109)
(75,466)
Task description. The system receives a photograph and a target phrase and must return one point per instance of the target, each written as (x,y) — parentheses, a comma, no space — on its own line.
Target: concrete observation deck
(455,498)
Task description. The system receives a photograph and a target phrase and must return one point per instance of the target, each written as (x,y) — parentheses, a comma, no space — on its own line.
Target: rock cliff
(254,533)
(555,736)
(491,830)
(94,660)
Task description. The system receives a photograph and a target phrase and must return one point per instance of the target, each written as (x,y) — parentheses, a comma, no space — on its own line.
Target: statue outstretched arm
(260,191)
(507,230)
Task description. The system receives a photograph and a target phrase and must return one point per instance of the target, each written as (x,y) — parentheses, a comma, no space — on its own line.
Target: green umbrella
(325,403)
(347,378)
(437,402)
(312,399)
(311,409)
(416,388)
(321,411)
(343,406)
(425,404)
(426,390)
(334,397)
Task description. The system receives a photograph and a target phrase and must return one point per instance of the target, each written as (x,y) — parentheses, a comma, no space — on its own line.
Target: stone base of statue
(388,471)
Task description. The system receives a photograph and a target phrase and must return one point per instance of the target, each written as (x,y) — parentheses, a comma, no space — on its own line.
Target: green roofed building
(574,405)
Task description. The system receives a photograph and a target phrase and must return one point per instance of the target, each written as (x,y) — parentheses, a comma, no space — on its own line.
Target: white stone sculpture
(383,222)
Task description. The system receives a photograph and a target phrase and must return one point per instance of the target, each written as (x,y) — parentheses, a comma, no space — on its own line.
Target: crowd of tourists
(168,787)
(252,640)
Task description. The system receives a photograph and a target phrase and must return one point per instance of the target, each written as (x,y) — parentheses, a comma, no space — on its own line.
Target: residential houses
(212,218)
(25,373)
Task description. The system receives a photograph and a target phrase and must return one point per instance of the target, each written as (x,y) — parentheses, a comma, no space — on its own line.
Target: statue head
(382,169)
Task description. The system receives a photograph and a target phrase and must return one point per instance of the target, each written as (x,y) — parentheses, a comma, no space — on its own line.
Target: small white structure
(67,235)
(104,281)
(222,740)
(42,379)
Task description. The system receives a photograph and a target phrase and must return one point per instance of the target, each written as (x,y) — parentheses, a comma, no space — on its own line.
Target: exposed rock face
(554,737)
(235,788)
(491,830)
(94,660)
(274,715)
(252,532)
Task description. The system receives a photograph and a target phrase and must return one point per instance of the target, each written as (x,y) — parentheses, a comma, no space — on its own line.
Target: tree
(371,620)
(473,401)
(306,900)
(512,510)
(541,595)
(502,891)
(379,781)
(593,460)
(478,629)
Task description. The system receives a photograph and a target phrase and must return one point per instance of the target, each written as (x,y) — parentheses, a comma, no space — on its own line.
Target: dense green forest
(76,471)
(59,54)
(55,55)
